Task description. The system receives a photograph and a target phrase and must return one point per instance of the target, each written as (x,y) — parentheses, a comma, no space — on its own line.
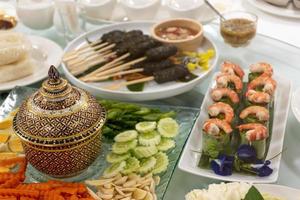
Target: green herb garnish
(253,194)
(136,87)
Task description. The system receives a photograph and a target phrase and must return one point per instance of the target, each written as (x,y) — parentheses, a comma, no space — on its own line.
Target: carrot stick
(19,193)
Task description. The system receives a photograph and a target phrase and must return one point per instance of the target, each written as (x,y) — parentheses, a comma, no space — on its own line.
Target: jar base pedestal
(33,175)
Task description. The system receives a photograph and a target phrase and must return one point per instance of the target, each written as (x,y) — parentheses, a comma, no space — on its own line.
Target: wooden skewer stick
(102,78)
(81,60)
(75,70)
(86,51)
(88,62)
(108,65)
(87,45)
(121,67)
(119,85)
(91,52)
(71,54)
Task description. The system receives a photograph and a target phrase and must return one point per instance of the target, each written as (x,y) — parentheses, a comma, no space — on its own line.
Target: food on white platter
(229,191)
(237,135)
(12,47)
(15,58)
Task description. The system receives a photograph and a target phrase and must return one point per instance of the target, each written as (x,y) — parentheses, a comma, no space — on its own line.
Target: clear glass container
(238,28)
(36,14)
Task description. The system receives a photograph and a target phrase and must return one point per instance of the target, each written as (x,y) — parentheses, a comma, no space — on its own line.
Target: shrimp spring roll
(225,112)
(228,67)
(260,69)
(260,91)
(221,111)
(230,81)
(255,114)
(255,134)
(225,95)
(216,137)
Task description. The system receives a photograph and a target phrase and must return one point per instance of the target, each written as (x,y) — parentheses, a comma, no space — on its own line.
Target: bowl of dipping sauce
(185,34)
(238,28)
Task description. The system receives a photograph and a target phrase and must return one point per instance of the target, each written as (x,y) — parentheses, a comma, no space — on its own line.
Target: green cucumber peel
(204,161)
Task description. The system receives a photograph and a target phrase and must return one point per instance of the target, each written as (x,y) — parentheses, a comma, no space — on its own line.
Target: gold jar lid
(58,114)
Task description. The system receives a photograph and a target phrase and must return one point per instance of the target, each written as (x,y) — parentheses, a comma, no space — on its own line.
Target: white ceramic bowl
(98,9)
(185,8)
(36,15)
(140,9)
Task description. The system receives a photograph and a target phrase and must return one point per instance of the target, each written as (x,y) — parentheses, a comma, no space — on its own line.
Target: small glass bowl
(238,28)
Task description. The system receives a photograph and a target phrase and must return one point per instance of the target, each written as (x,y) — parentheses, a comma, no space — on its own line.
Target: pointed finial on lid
(53,74)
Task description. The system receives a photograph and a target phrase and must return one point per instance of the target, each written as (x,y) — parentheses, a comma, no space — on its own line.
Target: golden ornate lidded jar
(60,127)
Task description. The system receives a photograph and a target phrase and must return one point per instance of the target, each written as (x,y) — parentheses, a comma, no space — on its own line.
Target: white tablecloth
(285,29)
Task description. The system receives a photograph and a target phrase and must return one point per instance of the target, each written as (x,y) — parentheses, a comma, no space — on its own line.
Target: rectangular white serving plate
(189,159)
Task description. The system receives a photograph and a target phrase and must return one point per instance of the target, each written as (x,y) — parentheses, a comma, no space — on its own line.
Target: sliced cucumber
(145,151)
(146,165)
(149,139)
(162,163)
(145,127)
(114,169)
(132,165)
(126,136)
(123,147)
(168,127)
(114,158)
(165,144)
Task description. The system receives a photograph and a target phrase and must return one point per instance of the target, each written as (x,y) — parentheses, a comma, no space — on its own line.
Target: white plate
(289,11)
(295,104)
(189,159)
(152,90)
(282,192)
(206,14)
(45,53)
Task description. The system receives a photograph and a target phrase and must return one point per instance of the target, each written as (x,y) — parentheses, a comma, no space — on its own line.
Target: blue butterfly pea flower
(246,153)
(222,165)
(263,169)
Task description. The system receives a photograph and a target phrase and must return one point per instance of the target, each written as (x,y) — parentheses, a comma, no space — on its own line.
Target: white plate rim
(271,9)
(276,188)
(191,169)
(56,63)
(294,104)
(118,92)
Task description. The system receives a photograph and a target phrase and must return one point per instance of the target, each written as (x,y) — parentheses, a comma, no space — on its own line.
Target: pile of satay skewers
(118,53)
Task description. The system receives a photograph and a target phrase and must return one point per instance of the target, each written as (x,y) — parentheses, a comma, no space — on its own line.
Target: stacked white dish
(96,11)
